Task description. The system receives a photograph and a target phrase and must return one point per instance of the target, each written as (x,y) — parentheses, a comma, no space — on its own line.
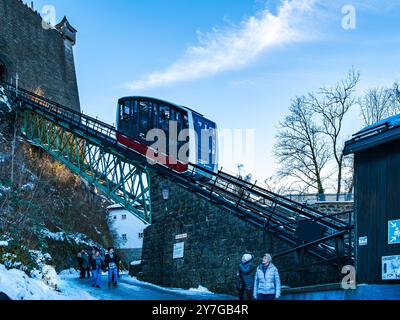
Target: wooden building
(377,201)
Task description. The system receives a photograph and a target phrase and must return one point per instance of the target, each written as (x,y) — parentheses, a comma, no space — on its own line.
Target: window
(164,117)
(145,114)
(141,235)
(124,217)
(127,110)
(124,237)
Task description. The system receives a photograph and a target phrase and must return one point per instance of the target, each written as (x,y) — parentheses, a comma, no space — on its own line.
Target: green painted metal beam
(121,179)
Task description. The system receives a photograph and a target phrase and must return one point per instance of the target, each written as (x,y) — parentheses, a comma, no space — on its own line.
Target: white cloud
(234,47)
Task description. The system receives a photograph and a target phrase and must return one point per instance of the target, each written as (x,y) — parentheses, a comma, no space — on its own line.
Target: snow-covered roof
(115,207)
(374,135)
(390,122)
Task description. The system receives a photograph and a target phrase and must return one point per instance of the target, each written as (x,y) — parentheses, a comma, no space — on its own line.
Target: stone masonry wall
(43,60)
(216,241)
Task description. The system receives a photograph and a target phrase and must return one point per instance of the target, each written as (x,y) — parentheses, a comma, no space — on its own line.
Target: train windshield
(206,131)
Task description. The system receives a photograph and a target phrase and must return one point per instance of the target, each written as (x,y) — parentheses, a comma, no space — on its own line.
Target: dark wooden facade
(377,188)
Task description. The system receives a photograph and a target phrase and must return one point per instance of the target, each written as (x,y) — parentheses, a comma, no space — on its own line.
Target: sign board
(363,241)
(179,250)
(391,268)
(394,232)
(181,236)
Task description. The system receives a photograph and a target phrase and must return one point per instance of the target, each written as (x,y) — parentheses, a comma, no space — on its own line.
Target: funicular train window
(127,110)
(145,111)
(121,111)
(164,117)
(124,116)
(183,123)
(155,115)
(133,123)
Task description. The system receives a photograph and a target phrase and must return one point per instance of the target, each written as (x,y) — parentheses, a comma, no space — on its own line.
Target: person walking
(111,265)
(118,258)
(80,264)
(267,283)
(246,278)
(97,267)
(85,264)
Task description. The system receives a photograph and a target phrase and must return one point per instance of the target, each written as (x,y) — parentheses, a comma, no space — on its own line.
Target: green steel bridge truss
(124,181)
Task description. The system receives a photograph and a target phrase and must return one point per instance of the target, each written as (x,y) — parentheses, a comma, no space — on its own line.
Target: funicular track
(249,201)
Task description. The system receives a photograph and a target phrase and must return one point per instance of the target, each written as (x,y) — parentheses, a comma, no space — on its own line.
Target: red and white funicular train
(172,135)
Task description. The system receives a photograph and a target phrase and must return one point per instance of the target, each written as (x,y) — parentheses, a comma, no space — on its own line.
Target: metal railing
(328,197)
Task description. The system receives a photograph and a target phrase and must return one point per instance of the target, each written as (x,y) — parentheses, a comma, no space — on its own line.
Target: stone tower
(42,57)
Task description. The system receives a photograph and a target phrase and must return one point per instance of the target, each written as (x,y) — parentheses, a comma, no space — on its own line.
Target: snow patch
(77,238)
(18,286)
(136,263)
(28,186)
(70,273)
(4,189)
(201,290)
(4,99)
(194,292)
(3,243)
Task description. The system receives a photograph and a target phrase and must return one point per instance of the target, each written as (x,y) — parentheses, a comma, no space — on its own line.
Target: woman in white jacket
(267,283)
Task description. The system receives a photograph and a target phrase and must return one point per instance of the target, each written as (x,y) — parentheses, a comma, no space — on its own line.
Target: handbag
(239,284)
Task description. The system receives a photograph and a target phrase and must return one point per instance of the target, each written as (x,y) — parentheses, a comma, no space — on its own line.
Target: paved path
(131,289)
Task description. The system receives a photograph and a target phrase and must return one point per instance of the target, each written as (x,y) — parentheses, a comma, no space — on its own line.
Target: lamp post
(165,194)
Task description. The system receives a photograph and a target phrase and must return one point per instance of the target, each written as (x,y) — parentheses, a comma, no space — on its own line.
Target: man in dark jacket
(111,262)
(246,278)
(80,264)
(85,264)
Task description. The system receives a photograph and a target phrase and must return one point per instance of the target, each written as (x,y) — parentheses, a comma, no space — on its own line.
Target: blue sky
(238,62)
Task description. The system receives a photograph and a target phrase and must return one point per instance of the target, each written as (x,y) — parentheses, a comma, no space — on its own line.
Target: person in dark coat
(80,264)
(111,261)
(118,258)
(246,278)
(97,266)
(85,264)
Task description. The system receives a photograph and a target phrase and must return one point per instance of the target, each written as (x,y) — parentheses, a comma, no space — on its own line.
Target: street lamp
(165,194)
(165,191)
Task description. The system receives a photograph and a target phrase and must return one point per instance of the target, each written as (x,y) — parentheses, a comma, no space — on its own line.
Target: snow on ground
(200,293)
(18,286)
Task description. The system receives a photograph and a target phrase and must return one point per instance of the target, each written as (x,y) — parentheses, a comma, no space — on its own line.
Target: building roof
(65,22)
(382,132)
(115,207)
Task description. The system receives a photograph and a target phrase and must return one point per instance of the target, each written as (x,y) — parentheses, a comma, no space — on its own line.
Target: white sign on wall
(181,236)
(179,250)
(391,268)
(394,232)
(363,241)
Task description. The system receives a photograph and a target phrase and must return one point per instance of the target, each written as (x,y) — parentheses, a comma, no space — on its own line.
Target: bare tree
(332,104)
(376,105)
(301,148)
